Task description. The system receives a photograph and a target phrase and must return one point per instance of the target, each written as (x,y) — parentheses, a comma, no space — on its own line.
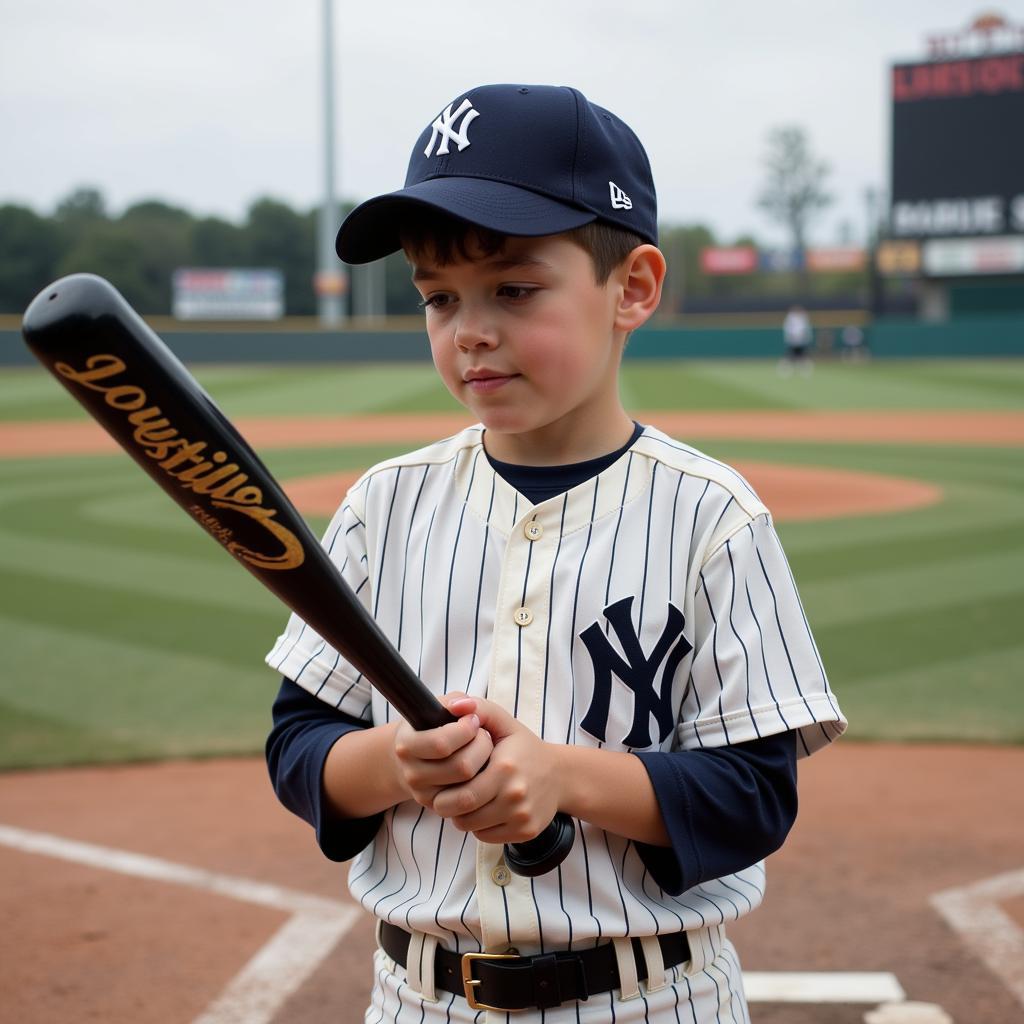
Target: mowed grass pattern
(128,634)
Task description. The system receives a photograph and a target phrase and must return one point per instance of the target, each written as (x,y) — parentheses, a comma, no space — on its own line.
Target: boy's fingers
(463,706)
(463,765)
(495,719)
(437,744)
(458,703)
(456,801)
(466,803)
(492,823)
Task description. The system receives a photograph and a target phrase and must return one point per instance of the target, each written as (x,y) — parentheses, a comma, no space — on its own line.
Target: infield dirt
(881,829)
(47,437)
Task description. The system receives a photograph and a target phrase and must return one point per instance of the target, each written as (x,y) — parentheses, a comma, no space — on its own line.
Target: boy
(607,611)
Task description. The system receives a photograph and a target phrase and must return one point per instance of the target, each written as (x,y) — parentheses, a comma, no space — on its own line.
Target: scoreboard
(957,167)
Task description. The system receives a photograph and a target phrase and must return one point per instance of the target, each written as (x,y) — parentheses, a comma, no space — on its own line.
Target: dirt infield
(882,829)
(23,440)
(792,492)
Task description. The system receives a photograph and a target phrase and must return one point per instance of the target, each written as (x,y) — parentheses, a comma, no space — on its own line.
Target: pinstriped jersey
(650,608)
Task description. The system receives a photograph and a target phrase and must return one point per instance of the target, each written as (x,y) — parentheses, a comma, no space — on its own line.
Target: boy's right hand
(429,760)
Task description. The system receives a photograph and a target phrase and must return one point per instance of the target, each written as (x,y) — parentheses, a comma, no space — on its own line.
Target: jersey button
(501,875)
(523,616)
(533,530)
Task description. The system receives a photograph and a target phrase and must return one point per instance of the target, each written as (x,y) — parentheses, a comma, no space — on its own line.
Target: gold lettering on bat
(293,554)
(148,430)
(213,526)
(186,453)
(96,368)
(188,463)
(127,397)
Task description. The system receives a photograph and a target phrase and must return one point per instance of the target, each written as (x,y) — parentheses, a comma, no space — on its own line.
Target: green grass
(948,384)
(260,390)
(127,634)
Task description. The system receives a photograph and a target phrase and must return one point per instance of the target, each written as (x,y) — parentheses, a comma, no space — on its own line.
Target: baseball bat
(85,333)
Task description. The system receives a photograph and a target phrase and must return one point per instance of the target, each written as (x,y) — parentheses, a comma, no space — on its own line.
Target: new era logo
(444,128)
(620,201)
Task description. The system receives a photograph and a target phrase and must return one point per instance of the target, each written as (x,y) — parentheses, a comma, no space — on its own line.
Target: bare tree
(793,191)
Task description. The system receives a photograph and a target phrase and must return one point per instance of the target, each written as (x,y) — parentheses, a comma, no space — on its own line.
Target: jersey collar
(496,502)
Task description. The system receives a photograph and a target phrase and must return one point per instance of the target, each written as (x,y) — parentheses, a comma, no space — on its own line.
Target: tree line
(139,249)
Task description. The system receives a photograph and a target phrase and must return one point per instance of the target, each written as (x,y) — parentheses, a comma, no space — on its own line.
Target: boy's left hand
(516,794)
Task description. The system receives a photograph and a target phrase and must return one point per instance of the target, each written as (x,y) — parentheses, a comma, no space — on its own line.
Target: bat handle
(544,852)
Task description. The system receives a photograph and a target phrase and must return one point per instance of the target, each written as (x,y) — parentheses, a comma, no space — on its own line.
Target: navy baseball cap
(519,160)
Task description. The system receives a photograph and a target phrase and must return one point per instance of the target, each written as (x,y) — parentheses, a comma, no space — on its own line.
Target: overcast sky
(212,103)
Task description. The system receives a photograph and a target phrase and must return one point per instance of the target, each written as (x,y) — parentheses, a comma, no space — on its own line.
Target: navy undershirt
(538,483)
(724,808)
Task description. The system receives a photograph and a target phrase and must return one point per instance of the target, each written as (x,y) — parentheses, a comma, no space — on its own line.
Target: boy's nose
(474,332)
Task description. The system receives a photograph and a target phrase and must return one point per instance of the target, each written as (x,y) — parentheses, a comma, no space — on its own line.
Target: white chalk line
(972,911)
(822,987)
(279,968)
(282,965)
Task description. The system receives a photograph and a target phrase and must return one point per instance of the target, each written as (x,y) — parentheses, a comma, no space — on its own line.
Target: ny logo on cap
(620,201)
(443,127)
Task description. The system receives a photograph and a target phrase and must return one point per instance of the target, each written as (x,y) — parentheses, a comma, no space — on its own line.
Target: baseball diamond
(888,575)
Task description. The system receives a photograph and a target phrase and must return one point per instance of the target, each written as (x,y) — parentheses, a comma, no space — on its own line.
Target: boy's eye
(438,301)
(515,291)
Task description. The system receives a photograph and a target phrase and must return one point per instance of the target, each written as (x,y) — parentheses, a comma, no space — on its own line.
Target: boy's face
(526,340)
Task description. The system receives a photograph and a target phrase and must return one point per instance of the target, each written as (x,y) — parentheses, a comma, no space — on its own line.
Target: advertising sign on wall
(736,259)
(227,294)
(955,257)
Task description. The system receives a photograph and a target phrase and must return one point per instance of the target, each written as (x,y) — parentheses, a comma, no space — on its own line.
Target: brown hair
(449,239)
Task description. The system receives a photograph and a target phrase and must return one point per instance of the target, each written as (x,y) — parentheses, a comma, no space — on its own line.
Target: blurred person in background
(798,336)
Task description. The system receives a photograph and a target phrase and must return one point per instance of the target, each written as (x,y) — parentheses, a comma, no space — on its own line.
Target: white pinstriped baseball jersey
(649,608)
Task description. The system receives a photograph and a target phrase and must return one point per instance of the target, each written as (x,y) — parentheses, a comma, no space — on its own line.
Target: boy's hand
(429,760)
(517,793)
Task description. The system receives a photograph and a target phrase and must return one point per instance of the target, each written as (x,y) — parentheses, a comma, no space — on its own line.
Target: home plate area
(183,892)
(316,925)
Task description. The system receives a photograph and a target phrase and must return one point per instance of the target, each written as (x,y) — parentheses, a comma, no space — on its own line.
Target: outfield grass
(128,634)
(30,394)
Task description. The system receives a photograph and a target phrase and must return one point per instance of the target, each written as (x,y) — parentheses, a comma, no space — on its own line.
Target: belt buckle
(469,982)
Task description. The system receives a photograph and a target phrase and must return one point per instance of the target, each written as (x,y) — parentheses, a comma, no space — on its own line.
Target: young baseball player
(606,610)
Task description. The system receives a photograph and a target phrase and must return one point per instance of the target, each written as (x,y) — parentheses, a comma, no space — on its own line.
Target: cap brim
(373,229)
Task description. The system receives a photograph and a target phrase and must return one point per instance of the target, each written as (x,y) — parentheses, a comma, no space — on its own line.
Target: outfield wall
(899,339)
(993,336)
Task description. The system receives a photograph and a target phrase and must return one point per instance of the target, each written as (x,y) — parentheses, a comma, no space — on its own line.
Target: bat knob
(545,852)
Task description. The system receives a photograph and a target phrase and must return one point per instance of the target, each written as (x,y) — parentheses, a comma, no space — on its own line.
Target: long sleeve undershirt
(724,808)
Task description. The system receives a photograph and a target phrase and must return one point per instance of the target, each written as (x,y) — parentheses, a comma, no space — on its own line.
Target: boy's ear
(640,276)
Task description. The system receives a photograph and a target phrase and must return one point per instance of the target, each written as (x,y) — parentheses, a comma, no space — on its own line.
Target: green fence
(963,336)
(992,335)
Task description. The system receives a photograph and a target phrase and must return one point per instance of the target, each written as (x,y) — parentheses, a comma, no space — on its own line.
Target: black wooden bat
(85,333)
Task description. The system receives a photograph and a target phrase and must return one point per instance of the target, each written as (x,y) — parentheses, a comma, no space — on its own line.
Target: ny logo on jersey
(620,201)
(639,672)
(444,128)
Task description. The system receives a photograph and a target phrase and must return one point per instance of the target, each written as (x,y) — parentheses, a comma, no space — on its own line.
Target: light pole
(873,202)
(330,281)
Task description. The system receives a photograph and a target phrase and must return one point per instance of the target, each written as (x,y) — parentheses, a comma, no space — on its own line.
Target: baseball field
(134,700)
